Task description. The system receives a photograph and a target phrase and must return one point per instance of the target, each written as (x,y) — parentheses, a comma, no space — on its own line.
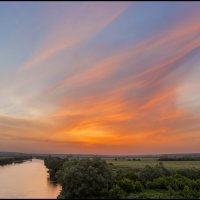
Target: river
(27,180)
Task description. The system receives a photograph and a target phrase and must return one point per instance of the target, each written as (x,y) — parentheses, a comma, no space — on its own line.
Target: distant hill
(12,154)
(18,154)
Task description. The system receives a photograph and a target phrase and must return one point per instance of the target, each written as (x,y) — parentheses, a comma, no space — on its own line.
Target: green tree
(150,173)
(85,178)
(187,193)
(127,185)
(54,165)
(138,187)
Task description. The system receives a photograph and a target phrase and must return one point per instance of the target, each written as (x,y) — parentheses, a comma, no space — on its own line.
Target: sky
(100,77)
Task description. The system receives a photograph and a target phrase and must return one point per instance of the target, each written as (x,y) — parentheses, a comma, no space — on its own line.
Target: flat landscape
(172,165)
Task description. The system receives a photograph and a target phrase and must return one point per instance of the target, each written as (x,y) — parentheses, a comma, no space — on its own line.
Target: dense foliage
(54,165)
(150,173)
(94,178)
(85,178)
(11,160)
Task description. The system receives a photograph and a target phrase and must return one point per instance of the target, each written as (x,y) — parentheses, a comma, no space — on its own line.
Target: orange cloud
(124,102)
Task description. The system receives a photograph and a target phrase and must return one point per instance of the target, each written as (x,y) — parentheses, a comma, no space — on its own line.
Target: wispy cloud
(76,26)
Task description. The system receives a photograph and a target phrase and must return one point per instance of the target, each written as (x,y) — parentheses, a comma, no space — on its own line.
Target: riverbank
(12,160)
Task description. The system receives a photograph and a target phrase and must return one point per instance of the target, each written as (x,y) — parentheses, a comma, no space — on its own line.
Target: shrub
(190,173)
(116,192)
(127,185)
(187,193)
(138,187)
(150,173)
(131,175)
(171,191)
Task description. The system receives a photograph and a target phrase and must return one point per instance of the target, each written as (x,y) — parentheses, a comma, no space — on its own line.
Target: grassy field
(172,165)
(1,158)
(124,163)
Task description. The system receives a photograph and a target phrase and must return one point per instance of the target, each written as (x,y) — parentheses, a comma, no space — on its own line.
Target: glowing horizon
(100,77)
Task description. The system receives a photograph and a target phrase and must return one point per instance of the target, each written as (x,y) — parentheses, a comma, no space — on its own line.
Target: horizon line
(92,154)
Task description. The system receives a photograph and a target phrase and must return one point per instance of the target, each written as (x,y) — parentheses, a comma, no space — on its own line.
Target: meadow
(135,164)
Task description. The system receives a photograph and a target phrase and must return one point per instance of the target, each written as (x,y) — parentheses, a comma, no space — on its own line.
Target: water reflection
(27,180)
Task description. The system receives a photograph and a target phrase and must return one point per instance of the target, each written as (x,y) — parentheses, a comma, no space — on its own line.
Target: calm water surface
(27,180)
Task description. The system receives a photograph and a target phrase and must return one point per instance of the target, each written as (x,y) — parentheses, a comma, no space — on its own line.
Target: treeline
(10,160)
(54,165)
(94,178)
(128,159)
(179,159)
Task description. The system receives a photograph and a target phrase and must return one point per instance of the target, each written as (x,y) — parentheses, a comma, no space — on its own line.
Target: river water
(27,180)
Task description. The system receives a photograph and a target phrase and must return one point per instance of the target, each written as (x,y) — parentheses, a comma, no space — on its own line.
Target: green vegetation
(85,178)
(180,159)
(53,164)
(11,160)
(137,165)
(96,178)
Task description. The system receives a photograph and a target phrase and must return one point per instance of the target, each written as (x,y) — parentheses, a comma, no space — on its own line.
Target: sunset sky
(100,77)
